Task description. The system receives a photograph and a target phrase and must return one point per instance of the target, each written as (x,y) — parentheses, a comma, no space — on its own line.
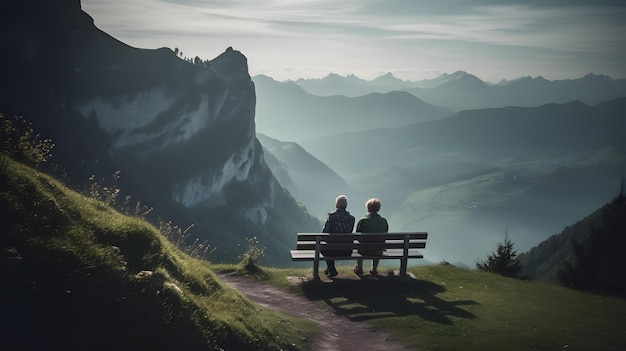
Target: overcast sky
(413,39)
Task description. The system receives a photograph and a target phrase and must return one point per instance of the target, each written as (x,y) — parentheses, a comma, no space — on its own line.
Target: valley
(473,176)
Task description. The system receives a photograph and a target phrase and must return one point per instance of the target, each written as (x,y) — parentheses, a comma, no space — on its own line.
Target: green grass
(451,308)
(78,275)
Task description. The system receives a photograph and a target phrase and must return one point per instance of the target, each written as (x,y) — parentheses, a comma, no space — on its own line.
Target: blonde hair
(373,205)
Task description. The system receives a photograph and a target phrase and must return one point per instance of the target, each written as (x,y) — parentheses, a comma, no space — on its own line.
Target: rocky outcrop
(182,134)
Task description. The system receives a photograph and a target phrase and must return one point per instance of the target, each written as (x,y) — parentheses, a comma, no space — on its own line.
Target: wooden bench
(400,246)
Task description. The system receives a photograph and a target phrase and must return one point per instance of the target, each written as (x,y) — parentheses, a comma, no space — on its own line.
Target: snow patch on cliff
(204,186)
(192,121)
(256,214)
(129,119)
(120,113)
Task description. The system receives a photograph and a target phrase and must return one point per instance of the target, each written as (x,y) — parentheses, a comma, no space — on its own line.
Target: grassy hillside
(77,275)
(451,308)
(587,255)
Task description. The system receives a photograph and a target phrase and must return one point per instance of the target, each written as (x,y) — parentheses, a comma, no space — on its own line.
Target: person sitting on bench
(372,222)
(340,221)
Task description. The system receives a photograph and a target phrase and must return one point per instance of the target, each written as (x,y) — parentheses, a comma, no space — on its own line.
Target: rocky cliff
(182,134)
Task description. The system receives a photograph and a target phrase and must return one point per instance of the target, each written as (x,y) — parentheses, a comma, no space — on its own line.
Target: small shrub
(249,259)
(105,193)
(19,140)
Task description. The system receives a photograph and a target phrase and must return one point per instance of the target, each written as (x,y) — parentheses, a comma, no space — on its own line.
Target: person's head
(373,205)
(341,201)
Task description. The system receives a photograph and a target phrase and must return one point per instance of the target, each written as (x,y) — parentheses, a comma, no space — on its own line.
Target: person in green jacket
(372,222)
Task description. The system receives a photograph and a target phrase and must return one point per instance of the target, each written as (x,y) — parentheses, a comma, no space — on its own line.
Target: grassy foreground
(77,275)
(450,308)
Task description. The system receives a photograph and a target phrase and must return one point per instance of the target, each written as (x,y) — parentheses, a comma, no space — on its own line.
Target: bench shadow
(381,297)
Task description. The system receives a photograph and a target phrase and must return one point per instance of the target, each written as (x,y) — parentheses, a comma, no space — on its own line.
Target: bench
(400,246)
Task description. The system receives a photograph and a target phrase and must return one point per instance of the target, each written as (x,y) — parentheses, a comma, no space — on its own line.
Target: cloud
(351,33)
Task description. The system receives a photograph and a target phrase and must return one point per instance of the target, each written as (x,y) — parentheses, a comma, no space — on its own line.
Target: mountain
(308,179)
(463,91)
(473,174)
(589,248)
(443,79)
(286,112)
(469,92)
(519,133)
(351,85)
(182,134)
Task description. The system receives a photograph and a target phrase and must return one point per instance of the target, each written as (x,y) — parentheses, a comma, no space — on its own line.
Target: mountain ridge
(182,134)
(286,112)
(462,90)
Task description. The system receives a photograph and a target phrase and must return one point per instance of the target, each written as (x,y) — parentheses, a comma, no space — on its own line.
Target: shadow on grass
(374,298)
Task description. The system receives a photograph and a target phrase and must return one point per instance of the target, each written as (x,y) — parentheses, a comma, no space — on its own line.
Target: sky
(413,39)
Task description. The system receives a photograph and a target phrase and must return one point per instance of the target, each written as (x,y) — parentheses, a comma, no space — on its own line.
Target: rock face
(182,134)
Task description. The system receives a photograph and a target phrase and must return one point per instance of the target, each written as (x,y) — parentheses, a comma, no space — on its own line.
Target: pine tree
(504,261)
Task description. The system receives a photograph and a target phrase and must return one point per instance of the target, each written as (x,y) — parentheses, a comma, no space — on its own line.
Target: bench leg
(316,269)
(403,264)
(316,262)
(405,254)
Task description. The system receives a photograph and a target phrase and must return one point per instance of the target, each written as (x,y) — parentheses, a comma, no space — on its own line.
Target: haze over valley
(466,177)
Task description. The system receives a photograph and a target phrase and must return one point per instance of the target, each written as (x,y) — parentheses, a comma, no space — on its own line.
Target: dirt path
(338,332)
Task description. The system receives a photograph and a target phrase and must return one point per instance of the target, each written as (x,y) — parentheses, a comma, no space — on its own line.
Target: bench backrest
(414,240)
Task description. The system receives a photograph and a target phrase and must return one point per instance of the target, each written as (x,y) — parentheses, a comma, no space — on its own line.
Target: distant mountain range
(519,133)
(461,90)
(287,112)
(476,172)
(529,154)
(353,86)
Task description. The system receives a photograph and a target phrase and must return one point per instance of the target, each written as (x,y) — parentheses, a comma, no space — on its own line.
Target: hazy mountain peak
(353,77)
(387,78)
(333,76)
(458,74)
(266,78)
(596,77)
(461,79)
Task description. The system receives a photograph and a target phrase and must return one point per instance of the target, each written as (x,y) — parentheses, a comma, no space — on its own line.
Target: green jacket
(372,223)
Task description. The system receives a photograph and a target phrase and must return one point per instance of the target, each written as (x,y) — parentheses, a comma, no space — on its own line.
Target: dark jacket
(340,221)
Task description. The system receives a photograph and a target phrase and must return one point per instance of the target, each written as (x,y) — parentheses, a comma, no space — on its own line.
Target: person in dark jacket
(372,222)
(340,221)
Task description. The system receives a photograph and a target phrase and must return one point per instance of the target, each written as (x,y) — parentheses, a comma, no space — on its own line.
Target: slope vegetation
(77,275)
(586,255)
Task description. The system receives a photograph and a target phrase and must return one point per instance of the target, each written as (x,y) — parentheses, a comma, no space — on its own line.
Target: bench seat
(402,246)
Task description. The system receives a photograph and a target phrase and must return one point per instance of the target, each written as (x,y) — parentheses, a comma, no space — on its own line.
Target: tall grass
(85,276)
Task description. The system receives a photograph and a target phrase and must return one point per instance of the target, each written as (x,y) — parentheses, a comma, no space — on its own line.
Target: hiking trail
(338,332)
